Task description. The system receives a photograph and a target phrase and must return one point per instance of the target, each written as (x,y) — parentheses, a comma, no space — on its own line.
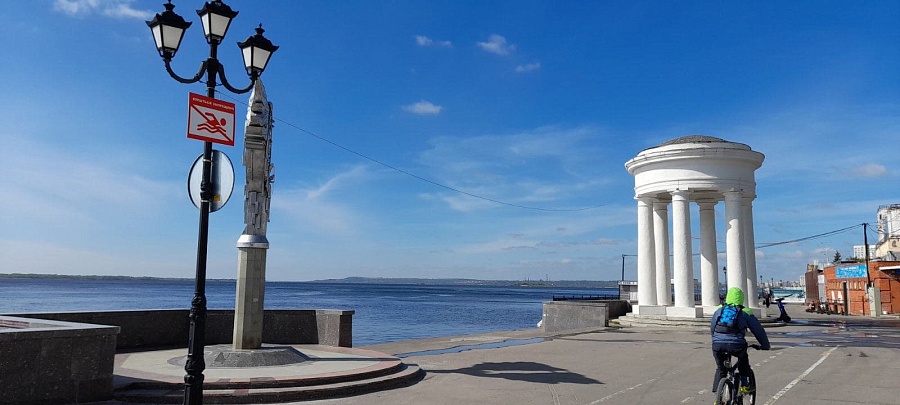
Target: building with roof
(704,170)
(845,288)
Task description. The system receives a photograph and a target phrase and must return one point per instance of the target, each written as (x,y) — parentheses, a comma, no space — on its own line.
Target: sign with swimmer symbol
(210,120)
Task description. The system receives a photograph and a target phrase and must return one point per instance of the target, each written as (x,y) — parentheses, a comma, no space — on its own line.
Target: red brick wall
(887,283)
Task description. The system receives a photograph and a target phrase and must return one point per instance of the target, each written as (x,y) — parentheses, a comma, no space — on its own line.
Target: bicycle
(728,392)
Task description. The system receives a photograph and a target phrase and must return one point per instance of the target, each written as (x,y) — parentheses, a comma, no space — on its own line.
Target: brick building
(849,280)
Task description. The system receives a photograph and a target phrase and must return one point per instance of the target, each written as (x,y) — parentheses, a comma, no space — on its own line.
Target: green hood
(735,296)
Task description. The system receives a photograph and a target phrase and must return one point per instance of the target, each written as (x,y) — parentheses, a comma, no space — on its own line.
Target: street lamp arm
(180,79)
(232,88)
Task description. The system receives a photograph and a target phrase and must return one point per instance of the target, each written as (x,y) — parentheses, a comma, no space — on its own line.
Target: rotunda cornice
(695,163)
(696,147)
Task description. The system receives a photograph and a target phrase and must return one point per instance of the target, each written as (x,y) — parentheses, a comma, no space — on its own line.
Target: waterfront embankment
(816,359)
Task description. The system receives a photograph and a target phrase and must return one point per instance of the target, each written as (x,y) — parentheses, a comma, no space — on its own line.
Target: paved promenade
(817,359)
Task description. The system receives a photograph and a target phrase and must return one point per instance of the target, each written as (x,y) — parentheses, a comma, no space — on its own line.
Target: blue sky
(534,104)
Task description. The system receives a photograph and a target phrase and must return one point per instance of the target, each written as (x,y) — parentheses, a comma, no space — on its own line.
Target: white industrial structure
(704,170)
(888,247)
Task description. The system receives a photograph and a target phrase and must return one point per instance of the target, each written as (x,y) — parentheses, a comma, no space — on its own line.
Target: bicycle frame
(728,391)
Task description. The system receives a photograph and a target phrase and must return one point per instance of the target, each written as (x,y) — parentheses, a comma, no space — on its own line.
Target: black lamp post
(168,29)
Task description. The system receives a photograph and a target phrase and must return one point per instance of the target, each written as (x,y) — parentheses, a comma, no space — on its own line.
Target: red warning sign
(210,120)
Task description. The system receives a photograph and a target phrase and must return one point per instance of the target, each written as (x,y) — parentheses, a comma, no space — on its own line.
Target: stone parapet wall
(145,329)
(577,315)
(54,362)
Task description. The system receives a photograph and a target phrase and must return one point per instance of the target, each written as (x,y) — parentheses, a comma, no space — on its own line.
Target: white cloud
(422,40)
(870,170)
(497,44)
(499,245)
(423,108)
(479,153)
(314,207)
(504,168)
(335,183)
(123,10)
(605,242)
(67,187)
(528,67)
(462,203)
(42,257)
(108,8)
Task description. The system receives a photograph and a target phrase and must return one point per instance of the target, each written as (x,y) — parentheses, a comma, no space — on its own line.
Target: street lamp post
(168,29)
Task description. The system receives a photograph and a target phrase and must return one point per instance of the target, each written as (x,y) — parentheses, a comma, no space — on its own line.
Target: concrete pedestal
(250,294)
(874,301)
(684,312)
(658,310)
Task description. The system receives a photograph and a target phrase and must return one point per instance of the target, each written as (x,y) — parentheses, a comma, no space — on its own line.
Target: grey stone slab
(224,356)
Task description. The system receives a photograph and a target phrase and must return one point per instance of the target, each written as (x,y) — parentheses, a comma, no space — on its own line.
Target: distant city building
(859,251)
(888,247)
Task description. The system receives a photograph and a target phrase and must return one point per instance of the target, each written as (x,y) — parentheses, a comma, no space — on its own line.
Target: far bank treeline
(474,282)
(366,280)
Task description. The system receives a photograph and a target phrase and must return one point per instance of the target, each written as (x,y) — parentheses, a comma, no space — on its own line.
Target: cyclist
(728,326)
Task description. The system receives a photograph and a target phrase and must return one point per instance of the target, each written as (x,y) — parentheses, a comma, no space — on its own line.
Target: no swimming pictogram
(210,120)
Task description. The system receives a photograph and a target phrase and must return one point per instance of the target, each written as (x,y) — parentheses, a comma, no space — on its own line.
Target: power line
(872,231)
(765,245)
(415,176)
(821,235)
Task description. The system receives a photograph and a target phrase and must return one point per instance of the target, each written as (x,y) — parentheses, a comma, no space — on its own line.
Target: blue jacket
(745,320)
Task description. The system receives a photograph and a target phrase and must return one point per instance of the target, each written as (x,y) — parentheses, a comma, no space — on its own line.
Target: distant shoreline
(354,280)
(86,277)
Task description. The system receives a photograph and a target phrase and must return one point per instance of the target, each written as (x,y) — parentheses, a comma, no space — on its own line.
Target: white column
(661,240)
(749,253)
(734,240)
(681,249)
(709,261)
(646,253)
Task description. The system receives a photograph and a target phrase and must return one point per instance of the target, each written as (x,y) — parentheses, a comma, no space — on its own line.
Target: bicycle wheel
(751,396)
(725,392)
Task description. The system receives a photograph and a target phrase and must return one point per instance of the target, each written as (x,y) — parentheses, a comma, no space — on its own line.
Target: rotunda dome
(700,164)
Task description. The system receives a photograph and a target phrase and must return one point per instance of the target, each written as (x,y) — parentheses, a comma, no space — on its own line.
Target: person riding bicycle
(728,326)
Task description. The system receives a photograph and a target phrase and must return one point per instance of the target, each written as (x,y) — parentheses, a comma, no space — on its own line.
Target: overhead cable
(821,235)
(415,176)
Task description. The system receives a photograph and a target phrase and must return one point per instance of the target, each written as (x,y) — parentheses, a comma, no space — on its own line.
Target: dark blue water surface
(384,312)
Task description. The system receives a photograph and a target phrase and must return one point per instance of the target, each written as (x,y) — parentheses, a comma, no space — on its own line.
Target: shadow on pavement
(522,371)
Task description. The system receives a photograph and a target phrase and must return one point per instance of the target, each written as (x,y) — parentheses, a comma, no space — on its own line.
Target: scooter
(783,316)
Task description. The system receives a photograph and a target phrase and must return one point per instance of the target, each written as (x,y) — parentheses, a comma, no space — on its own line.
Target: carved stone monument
(252,244)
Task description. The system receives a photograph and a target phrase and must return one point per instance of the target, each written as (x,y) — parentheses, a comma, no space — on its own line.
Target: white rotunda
(705,170)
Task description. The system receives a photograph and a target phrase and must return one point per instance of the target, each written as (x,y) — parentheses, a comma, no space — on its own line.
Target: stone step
(277,391)
(660,321)
(674,322)
(384,368)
